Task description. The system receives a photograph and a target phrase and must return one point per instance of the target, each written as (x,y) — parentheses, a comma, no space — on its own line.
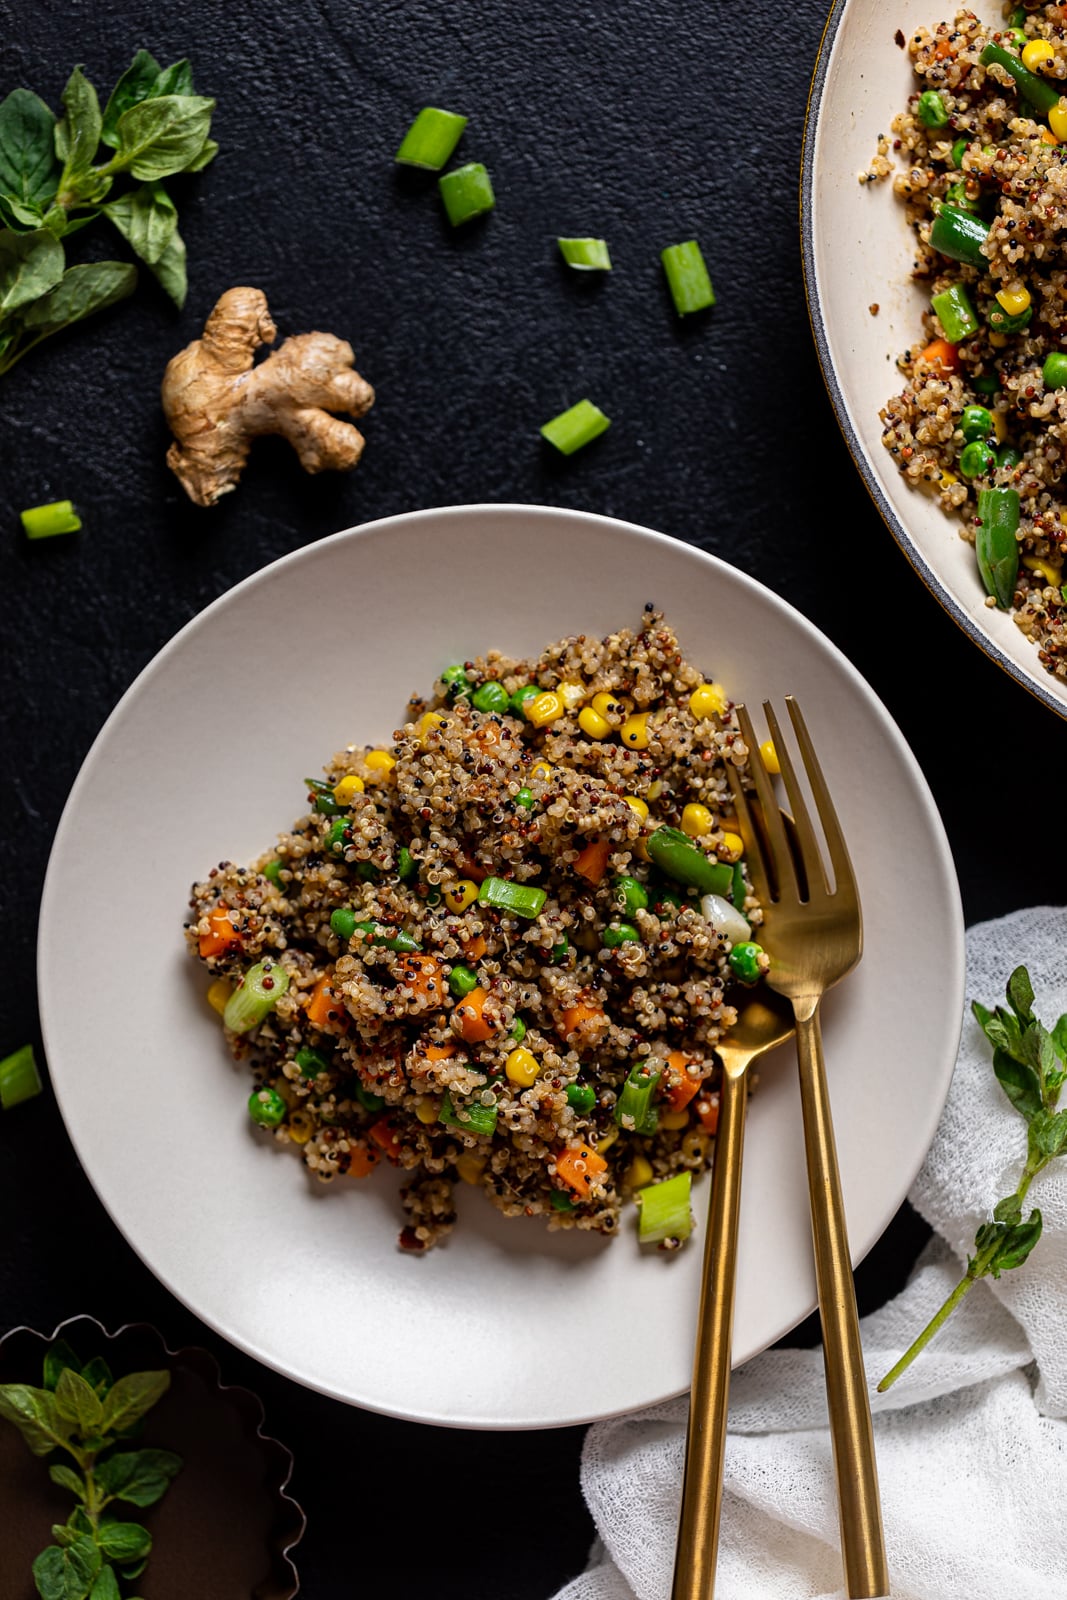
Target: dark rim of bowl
(855,446)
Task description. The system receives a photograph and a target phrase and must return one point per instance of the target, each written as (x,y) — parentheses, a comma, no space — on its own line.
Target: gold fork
(814,934)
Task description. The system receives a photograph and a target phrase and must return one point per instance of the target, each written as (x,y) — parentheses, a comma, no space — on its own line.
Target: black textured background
(645,122)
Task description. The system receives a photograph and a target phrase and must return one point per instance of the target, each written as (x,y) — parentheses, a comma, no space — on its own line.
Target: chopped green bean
(389,938)
(634,1110)
(675,855)
(996,546)
(519,898)
(470,1115)
(1040,93)
(955,313)
(406,866)
(960,236)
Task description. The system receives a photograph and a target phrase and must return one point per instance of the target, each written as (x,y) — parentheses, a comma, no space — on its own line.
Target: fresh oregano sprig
(1030,1063)
(86,1414)
(58,174)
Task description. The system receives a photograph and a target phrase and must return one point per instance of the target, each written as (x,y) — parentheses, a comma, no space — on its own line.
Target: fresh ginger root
(216,401)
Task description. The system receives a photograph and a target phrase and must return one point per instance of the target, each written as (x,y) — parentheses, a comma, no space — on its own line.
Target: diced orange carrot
(324,1008)
(362,1160)
(439,1052)
(422,975)
(941,351)
(488,735)
(577,1164)
(942,49)
(575,1015)
(707,1110)
(472,1023)
(679,1095)
(475,949)
(221,936)
(385,1137)
(593,861)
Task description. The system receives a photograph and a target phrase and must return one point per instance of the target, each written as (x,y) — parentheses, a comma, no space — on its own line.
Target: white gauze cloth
(972,1441)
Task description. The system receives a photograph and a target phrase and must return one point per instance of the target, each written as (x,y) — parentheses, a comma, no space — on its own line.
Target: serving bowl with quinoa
(507,1323)
(933,202)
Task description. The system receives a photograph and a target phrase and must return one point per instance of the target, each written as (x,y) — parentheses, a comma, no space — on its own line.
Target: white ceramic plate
(857,251)
(507,1325)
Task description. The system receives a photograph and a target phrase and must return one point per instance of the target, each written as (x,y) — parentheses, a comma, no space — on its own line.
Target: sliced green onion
(19,1078)
(955,313)
(996,547)
(573,429)
(687,278)
(44,522)
(471,1116)
(587,255)
(674,855)
(634,1110)
(431,139)
(467,193)
(664,1210)
(255,996)
(517,897)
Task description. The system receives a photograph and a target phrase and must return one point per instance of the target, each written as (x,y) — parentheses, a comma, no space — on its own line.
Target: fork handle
(705,1445)
(862,1539)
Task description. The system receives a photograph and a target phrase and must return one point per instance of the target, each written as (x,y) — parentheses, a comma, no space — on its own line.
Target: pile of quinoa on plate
(503,949)
(981,422)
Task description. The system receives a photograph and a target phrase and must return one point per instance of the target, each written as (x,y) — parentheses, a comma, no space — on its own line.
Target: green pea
(368,1099)
(311,1062)
(518,1030)
(273,871)
(343,922)
(456,682)
(560,1201)
(958,150)
(522,697)
(1008,456)
(367,871)
(1054,371)
(406,865)
(266,1107)
(491,696)
(975,422)
(986,383)
(1018,37)
(976,459)
(620,933)
(932,110)
(744,961)
(335,839)
(956,195)
(632,894)
(525,799)
(560,951)
(461,980)
(582,1096)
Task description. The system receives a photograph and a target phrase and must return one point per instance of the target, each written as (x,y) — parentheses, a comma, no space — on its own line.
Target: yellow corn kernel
(947,478)
(707,701)
(546,708)
(426,724)
(470,1166)
(592,723)
(638,1173)
(1057,120)
(674,1119)
(300,1127)
(637,804)
(1014,299)
(1000,426)
(732,847)
(218,994)
(609,705)
(542,770)
(522,1067)
(998,340)
(607,1141)
(768,754)
(427,1111)
(343,791)
(572,694)
(655,789)
(1037,54)
(1052,572)
(459,895)
(634,731)
(380,762)
(697,820)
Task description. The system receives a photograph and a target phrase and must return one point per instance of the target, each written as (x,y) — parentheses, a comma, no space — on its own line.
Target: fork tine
(811,857)
(754,853)
(770,814)
(844,876)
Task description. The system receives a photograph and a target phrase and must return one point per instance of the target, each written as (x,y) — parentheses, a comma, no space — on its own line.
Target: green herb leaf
(23,216)
(140,1477)
(67,1574)
(1059,1038)
(106,1586)
(29,171)
(146,218)
(1017,1245)
(67,1478)
(1000,1027)
(79,1521)
(30,265)
(1048,1133)
(33,1411)
(57,1358)
(78,132)
(129,1573)
(97,1372)
(125,1541)
(81,291)
(1021,994)
(158,136)
(175,79)
(170,270)
(132,1397)
(135,85)
(79,1402)
(208,151)
(63,1536)
(1010,1209)
(1019,1082)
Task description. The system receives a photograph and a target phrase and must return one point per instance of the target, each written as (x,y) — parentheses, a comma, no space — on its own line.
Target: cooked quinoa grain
(478,950)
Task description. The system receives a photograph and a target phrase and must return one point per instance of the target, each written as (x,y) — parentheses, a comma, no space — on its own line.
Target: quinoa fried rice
(460,1040)
(996,158)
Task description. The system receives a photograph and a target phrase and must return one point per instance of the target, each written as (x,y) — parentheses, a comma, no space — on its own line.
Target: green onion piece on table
(1038,92)
(586,255)
(960,236)
(634,1110)
(955,313)
(687,278)
(467,193)
(19,1078)
(517,897)
(996,546)
(470,1115)
(573,429)
(431,139)
(675,856)
(44,522)
(255,996)
(664,1210)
